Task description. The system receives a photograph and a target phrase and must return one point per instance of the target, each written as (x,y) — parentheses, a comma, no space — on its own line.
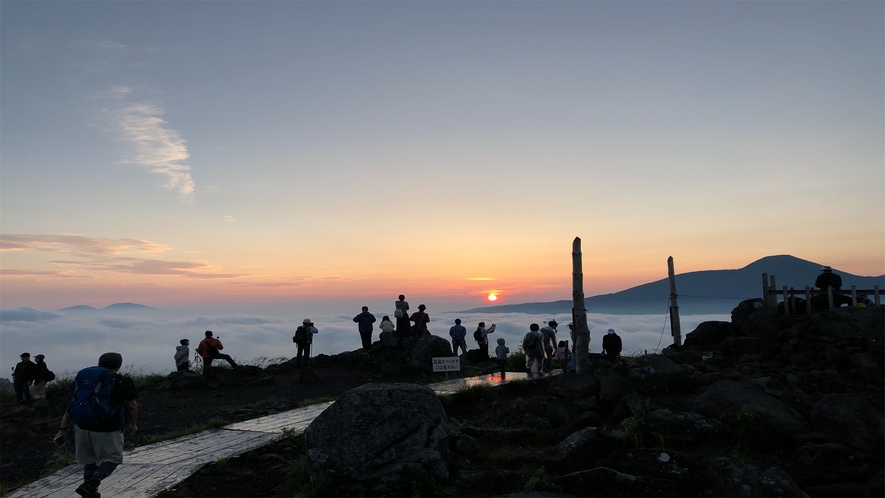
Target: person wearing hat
(210,349)
(364,323)
(100,448)
(303,340)
(23,377)
(611,345)
(828,279)
(421,319)
(42,375)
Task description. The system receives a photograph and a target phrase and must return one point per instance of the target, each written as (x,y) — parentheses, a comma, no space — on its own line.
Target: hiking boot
(88,489)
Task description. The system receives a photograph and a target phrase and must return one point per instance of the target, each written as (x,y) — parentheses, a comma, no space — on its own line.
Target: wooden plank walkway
(148,470)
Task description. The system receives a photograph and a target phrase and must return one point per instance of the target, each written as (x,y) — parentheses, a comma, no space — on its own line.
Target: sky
(314,155)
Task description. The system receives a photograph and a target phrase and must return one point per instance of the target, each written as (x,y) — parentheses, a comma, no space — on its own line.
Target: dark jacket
(365,321)
(24,371)
(828,279)
(611,343)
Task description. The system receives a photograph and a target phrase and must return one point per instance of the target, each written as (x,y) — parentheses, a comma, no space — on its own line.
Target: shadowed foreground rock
(379,439)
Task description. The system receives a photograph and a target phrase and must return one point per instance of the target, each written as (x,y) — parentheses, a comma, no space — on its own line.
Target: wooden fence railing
(770,292)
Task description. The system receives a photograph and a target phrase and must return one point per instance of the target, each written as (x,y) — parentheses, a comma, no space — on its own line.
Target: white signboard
(452,364)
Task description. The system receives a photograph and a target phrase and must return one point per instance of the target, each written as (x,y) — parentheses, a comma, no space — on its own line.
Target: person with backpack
(365,327)
(42,375)
(304,339)
(481,336)
(458,333)
(563,356)
(549,333)
(401,313)
(101,403)
(611,345)
(533,347)
(210,349)
(23,377)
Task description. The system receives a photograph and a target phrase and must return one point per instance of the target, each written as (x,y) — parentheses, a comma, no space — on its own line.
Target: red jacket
(203,348)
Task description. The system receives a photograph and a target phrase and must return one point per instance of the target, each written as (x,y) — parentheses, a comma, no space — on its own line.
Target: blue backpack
(89,399)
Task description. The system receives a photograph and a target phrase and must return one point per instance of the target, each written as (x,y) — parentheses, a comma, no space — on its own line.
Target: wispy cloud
(70,243)
(98,254)
(228,218)
(158,147)
(480,278)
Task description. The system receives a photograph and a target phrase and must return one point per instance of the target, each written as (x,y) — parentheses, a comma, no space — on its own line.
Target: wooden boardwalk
(148,470)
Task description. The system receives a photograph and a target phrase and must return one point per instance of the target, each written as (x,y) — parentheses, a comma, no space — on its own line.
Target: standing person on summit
(481,334)
(549,333)
(458,334)
(304,339)
(23,377)
(401,313)
(365,321)
(421,320)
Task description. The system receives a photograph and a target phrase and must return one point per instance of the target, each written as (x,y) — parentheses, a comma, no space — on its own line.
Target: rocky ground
(764,405)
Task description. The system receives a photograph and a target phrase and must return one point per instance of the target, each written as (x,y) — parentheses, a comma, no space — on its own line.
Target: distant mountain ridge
(700,292)
(113,307)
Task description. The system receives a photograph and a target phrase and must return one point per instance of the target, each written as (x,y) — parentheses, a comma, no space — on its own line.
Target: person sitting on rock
(210,349)
(828,279)
(386,325)
(611,345)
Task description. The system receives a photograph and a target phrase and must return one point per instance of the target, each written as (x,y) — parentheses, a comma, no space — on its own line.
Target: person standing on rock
(549,333)
(182,355)
(482,338)
(611,345)
(210,349)
(42,375)
(23,377)
(421,320)
(365,321)
(98,435)
(458,333)
(304,339)
(501,353)
(401,313)
(533,347)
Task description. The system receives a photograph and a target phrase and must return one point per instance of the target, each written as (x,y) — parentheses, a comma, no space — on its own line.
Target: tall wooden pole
(579,312)
(675,324)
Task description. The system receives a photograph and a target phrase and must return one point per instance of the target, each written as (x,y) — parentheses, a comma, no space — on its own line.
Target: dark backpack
(300,335)
(529,341)
(89,399)
(50,376)
(477,336)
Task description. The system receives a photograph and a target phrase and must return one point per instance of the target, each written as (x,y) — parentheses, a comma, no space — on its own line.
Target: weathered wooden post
(808,300)
(579,312)
(786,302)
(765,300)
(854,296)
(830,296)
(675,324)
(772,292)
(876,292)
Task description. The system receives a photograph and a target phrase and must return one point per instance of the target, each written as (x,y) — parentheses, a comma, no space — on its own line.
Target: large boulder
(683,428)
(389,340)
(658,373)
(850,419)
(708,334)
(590,441)
(604,481)
(752,318)
(425,349)
(186,379)
(612,389)
(577,385)
(379,439)
(736,478)
(867,322)
(726,396)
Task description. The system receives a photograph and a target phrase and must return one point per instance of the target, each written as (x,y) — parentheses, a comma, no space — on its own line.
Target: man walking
(549,333)
(98,433)
(210,349)
(365,321)
(459,334)
(23,377)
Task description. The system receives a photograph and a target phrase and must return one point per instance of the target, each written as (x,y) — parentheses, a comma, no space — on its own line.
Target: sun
(492,297)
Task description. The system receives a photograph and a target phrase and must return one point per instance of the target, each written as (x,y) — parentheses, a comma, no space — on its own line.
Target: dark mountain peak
(81,307)
(127,306)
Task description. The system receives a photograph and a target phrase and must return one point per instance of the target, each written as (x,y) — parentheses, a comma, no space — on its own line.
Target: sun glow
(492,297)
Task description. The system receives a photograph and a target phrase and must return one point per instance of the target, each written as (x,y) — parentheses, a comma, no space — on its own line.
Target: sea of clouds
(147,339)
